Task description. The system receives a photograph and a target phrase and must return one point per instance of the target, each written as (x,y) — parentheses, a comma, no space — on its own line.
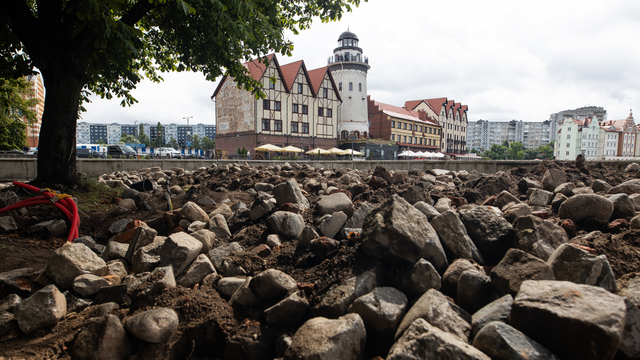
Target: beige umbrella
(337,151)
(268,147)
(355,153)
(291,149)
(318,151)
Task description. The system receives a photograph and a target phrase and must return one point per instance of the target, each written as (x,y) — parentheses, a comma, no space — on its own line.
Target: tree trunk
(57,147)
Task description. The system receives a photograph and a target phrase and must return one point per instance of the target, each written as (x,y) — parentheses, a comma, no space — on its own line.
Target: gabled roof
(256,71)
(436,104)
(290,72)
(317,75)
(402,113)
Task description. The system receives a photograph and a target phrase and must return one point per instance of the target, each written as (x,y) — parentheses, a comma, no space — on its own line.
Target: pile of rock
(450,280)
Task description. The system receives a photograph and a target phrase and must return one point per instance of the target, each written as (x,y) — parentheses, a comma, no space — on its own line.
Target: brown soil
(209,327)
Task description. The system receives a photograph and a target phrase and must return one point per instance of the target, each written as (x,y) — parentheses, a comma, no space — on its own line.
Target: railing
(332,59)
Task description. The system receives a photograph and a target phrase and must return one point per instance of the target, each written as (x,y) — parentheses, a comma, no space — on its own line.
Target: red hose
(66,205)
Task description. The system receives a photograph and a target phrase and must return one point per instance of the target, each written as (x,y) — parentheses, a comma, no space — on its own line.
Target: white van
(168,152)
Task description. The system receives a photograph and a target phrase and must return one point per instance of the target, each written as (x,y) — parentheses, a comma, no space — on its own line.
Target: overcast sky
(504,59)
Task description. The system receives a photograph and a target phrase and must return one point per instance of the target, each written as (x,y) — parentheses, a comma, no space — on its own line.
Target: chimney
(422,115)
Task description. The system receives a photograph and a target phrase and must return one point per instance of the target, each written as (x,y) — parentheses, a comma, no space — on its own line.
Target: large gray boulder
(422,340)
(396,232)
(337,299)
(540,197)
(428,210)
(588,321)
(454,238)
(475,290)
(324,339)
(44,308)
(628,187)
(272,284)
(417,279)
(629,286)
(218,226)
(72,260)
(288,312)
(262,206)
(452,275)
(492,234)
(179,250)
(89,284)
(219,256)
(434,307)
(330,225)
(142,237)
(381,311)
(553,178)
(287,224)
(503,342)
(155,326)
(630,346)
(497,310)
(538,237)
(623,207)
(585,207)
(289,192)
(200,268)
(147,257)
(101,338)
(193,212)
(516,267)
(333,203)
(570,263)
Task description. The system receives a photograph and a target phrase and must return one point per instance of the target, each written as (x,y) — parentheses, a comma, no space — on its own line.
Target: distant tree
(127,139)
(516,151)
(195,142)
(16,113)
(101,142)
(173,143)
(208,144)
(142,137)
(159,135)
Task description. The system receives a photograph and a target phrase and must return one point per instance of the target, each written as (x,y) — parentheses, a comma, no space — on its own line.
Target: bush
(147,157)
(109,157)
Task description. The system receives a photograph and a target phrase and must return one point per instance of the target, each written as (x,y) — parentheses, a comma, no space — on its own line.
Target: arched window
(350,86)
(344,135)
(364,134)
(356,134)
(337,57)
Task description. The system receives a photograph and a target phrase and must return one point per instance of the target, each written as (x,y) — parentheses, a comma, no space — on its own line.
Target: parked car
(88,153)
(121,151)
(168,152)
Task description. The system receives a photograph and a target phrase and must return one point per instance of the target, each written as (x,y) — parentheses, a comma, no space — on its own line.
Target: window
(320,111)
(277,125)
(404,139)
(329,112)
(272,85)
(569,129)
(266,124)
(567,144)
(360,87)
(567,153)
(410,127)
(294,127)
(393,137)
(430,129)
(294,108)
(420,128)
(266,104)
(299,88)
(568,136)
(393,124)
(350,86)
(305,128)
(325,93)
(340,86)
(305,109)
(429,142)
(276,105)
(410,139)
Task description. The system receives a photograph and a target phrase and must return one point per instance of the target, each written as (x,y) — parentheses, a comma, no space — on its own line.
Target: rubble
(295,262)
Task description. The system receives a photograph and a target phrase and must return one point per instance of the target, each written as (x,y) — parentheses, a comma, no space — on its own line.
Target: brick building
(36,91)
(300,108)
(453,118)
(413,130)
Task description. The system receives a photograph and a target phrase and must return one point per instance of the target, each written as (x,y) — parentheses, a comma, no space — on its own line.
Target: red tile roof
(402,112)
(257,68)
(290,72)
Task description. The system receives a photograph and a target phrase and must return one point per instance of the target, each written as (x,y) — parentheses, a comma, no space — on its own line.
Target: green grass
(93,196)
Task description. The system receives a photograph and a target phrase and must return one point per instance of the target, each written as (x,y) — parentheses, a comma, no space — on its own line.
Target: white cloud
(505,60)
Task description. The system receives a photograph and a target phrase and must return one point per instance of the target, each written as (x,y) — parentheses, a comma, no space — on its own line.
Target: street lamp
(187,118)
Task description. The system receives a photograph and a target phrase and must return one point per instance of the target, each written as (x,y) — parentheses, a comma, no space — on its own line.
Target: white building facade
(349,69)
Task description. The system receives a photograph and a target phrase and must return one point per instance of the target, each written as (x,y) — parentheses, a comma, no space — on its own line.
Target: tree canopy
(516,151)
(16,112)
(107,46)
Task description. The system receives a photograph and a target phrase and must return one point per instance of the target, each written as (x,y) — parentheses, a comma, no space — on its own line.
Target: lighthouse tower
(349,69)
